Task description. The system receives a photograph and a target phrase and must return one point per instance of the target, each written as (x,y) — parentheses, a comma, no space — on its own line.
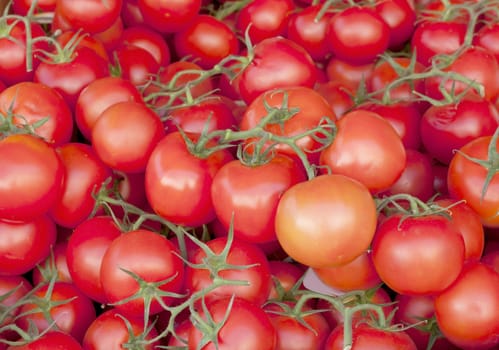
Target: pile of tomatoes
(249,174)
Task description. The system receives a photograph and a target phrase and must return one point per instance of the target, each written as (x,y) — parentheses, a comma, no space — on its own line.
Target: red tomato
(375,159)
(86,248)
(178,183)
(358,35)
(49,341)
(125,135)
(347,73)
(149,40)
(67,36)
(90,15)
(469,316)
(240,253)
(245,326)
(267,18)
(466,180)
(136,64)
(21,7)
(284,275)
(400,16)
(30,103)
(13,289)
(417,255)
(366,337)
(32,173)
(247,196)
(327,221)
(110,331)
(206,41)
(98,96)
(488,38)
(339,97)
(150,256)
(55,263)
(277,63)
(84,174)
(73,316)
(168,16)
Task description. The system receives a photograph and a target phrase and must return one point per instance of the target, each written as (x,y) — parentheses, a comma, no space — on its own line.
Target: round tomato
(168,16)
(49,341)
(90,15)
(327,221)
(149,40)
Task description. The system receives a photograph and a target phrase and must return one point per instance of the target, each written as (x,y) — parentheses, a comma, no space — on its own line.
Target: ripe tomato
(284,275)
(417,255)
(55,263)
(31,173)
(245,326)
(347,73)
(466,180)
(375,159)
(136,64)
(401,17)
(49,341)
(150,256)
(149,40)
(21,7)
(327,221)
(31,103)
(469,316)
(12,290)
(125,135)
(168,16)
(247,196)
(240,253)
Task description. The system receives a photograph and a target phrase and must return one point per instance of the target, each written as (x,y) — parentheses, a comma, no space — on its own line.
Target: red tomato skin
(401,19)
(34,174)
(149,255)
(488,38)
(277,63)
(91,16)
(33,102)
(236,185)
(21,7)
(178,184)
(18,286)
(149,40)
(348,74)
(365,337)
(168,16)
(50,341)
(469,316)
(56,261)
(86,248)
(403,258)
(84,174)
(136,64)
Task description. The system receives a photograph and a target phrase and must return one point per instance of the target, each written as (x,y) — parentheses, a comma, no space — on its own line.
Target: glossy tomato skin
(21,7)
(277,63)
(348,74)
(246,327)
(465,180)
(365,337)
(17,287)
(72,317)
(240,253)
(168,16)
(125,135)
(150,256)
(178,184)
(401,17)
(358,35)
(148,39)
(99,95)
(136,64)
(247,196)
(84,174)
(327,221)
(49,341)
(86,248)
(40,168)
(376,159)
(455,125)
(55,263)
(403,258)
(92,16)
(467,315)
(34,102)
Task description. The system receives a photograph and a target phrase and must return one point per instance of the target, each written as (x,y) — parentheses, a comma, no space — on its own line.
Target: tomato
(403,258)
(125,135)
(466,180)
(22,7)
(319,240)
(50,340)
(111,330)
(150,256)
(469,316)
(246,196)
(32,174)
(308,332)
(245,326)
(168,16)
(55,263)
(30,103)
(305,30)
(12,290)
(284,275)
(267,18)
(400,16)
(86,248)
(348,74)
(357,35)
(84,174)
(111,37)
(98,96)
(206,41)
(339,97)
(256,273)
(91,16)
(487,38)
(365,337)
(355,275)
(178,183)
(276,63)
(449,127)
(67,36)
(136,64)
(307,107)
(149,40)
(73,316)
(375,159)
